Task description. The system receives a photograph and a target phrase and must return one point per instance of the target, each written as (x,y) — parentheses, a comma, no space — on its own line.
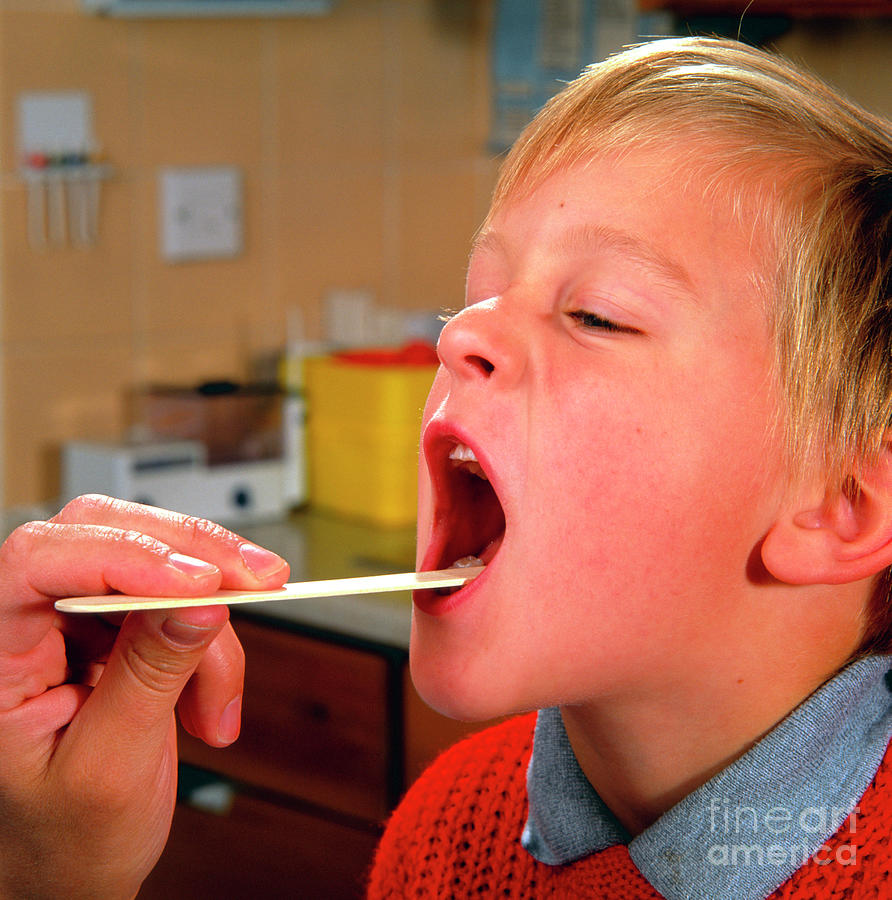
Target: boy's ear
(845,538)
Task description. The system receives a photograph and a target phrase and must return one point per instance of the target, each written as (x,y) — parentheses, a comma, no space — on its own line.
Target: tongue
(467,562)
(485,557)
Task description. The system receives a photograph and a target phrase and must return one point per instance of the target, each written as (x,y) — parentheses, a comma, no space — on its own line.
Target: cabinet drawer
(314,723)
(257,849)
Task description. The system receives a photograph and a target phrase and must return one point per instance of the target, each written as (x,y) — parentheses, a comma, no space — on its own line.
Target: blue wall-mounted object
(540,45)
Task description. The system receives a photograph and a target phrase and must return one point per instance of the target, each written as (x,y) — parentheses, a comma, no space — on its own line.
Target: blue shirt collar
(750,827)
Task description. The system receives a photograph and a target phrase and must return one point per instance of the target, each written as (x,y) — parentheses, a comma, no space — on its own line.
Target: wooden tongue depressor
(299,590)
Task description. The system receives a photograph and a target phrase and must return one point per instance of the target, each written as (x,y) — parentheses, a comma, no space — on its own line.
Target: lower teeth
(466,562)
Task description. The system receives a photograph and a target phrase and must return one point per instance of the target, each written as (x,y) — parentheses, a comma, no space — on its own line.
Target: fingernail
(230,722)
(260,562)
(183,633)
(188,565)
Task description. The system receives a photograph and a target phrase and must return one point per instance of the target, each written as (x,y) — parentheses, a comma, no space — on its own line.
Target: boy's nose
(478,344)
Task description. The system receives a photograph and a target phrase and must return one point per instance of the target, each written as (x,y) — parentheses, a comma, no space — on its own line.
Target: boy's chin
(457,696)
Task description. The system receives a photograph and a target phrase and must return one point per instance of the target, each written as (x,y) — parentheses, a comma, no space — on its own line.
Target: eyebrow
(589,238)
(582,238)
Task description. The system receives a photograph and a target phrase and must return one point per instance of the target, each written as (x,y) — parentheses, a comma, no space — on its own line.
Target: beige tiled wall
(362,140)
(361,136)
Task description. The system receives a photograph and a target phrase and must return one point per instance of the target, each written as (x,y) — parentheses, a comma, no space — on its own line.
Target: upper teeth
(462,452)
(465,457)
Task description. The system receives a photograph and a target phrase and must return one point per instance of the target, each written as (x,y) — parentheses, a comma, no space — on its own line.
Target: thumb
(154,656)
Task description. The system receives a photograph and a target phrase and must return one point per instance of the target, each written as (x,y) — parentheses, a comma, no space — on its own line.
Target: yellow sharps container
(363,422)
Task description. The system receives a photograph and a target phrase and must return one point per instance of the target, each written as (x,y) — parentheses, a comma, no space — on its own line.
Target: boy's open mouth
(469,522)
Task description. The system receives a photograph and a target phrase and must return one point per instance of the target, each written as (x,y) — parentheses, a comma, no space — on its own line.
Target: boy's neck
(645,754)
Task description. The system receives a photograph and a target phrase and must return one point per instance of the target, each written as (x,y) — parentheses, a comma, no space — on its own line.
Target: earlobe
(845,538)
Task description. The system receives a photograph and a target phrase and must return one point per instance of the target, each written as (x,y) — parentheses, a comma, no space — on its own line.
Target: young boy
(661,420)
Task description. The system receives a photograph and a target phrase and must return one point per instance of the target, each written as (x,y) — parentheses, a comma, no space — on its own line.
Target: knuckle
(158,672)
(131,547)
(21,541)
(99,508)
(140,541)
(87,506)
(161,659)
(199,530)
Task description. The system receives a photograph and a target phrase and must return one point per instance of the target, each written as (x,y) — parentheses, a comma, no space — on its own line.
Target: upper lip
(467,510)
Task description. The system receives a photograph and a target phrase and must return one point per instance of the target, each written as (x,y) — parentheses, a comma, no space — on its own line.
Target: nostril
(481,364)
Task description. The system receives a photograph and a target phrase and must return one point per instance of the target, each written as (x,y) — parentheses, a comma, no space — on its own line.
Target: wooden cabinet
(332,734)
(261,848)
(315,723)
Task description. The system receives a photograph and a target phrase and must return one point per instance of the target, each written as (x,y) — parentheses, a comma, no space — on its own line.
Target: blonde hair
(759,126)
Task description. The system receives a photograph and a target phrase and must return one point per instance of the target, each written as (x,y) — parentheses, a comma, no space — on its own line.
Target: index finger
(243,564)
(42,560)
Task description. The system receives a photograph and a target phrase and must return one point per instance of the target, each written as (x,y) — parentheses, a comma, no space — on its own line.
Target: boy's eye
(594,322)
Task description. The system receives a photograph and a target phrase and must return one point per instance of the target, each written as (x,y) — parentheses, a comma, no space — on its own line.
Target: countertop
(319,546)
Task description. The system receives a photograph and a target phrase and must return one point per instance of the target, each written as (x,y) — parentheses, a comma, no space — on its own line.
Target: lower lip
(434,604)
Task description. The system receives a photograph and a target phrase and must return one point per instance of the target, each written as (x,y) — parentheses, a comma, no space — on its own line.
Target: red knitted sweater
(456,834)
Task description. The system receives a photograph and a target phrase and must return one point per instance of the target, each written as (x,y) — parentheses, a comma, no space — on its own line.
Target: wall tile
(330,235)
(441,88)
(199,87)
(72,292)
(53,393)
(332,89)
(438,218)
(195,297)
(180,359)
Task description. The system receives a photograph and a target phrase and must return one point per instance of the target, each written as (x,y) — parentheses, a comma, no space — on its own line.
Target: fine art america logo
(779,836)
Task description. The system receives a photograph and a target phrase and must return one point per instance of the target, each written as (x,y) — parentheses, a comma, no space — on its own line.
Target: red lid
(414,353)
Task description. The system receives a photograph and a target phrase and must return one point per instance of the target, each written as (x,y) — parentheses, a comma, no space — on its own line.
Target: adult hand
(87,733)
